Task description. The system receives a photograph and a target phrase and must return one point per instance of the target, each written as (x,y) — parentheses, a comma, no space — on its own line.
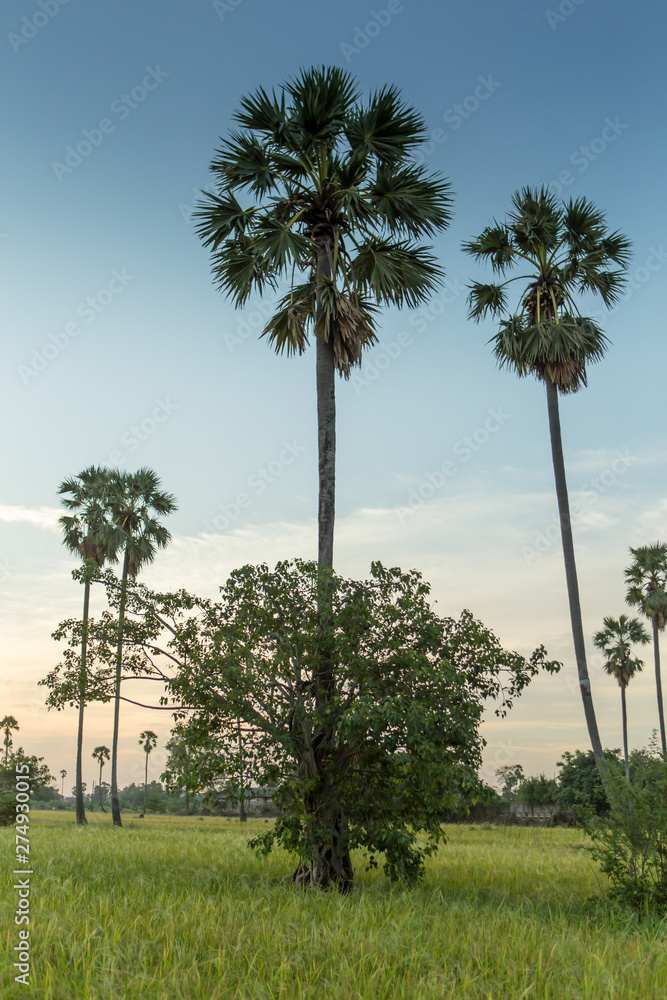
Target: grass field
(170,907)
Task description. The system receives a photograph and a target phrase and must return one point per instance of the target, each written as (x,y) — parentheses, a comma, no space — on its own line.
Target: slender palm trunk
(625,732)
(326,431)
(145,783)
(242,813)
(115,804)
(658,683)
(80,808)
(99,789)
(571,573)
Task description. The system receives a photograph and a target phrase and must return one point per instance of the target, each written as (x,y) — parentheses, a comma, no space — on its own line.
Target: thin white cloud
(41,517)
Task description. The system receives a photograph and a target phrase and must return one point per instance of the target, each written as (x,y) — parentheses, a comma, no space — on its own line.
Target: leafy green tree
(563,250)
(136,499)
(395,746)
(334,206)
(615,641)
(89,533)
(647,588)
(155,803)
(580,788)
(8,724)
(101,754)
(511,777)
(147,740)
(182,770)
(538,790)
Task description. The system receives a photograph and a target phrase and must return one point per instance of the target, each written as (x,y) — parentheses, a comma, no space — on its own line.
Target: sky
(118,350)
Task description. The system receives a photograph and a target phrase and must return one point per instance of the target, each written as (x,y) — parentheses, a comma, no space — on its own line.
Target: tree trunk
(625,732)
(187,801)
(115,804)
(329,865)
(658,683)
(145,784)
(80,808)
(571,573)
(326,430)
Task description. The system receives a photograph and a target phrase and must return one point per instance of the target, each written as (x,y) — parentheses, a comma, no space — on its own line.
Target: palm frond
(386,129)
(410,201)
(243,162)
(484,299)
(321,101)
(287,329)
(494,245)
(221,216)
(395,272)
(347,321)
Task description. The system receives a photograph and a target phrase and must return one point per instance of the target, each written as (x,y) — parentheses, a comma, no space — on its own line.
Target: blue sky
(144,363)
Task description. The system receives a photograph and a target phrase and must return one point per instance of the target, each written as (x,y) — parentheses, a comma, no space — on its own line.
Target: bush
(630,844)
(580,789)
(7,808)
(538,791)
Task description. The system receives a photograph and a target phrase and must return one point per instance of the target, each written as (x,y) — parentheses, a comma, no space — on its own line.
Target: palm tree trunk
(571,573)
(115,804)
(658,683)
(80,808)
(625,732)
(326,429)
(145,783)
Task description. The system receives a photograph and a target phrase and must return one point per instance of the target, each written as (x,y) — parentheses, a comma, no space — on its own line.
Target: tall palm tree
(135,500)
(334,207)
(615,641)
(101,754)
(563,249)
(647,588)
(63,775)
(89,533)
(318,194)
(8,724)
(147,740)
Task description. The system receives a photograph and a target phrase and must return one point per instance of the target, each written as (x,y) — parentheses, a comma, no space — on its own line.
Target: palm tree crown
(89,532)
(7,724)
(647,588)
(566,249)
(647,581)
(134,500)
(615,642)
(335,199)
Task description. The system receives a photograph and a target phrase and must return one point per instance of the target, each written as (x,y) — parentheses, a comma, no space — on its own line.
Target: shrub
(630,844)
(7,808)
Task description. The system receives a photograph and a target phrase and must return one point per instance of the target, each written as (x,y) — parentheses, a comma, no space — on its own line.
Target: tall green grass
(170,907)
